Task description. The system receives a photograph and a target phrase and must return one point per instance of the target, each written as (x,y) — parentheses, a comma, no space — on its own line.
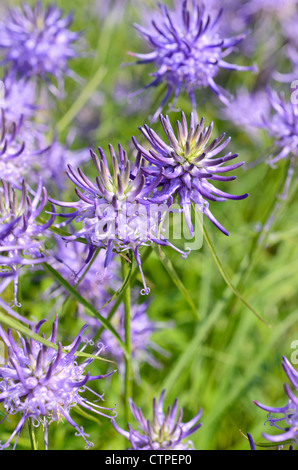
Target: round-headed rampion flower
(114,210)
(53,163)
(239,110)
(166,432)
(282,126)
(21,240)
(43,384)
(186,164)
(288,423)
(37,41)
(188,51)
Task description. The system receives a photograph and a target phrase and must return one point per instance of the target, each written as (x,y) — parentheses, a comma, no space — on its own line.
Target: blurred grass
(227,358)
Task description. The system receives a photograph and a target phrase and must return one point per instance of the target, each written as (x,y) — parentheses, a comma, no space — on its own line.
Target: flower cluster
(184,165)
(289,412)
(43,383)
(114,209)
(21,241)
(282,126)
(188,50)
(37,42)
(166,432)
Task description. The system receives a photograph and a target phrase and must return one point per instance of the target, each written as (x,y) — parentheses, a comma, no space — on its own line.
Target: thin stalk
(226,277)
(32,433)
(127,328)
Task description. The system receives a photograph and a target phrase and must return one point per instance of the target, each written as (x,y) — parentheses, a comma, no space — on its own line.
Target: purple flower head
(282,8)
(114,209)
(37,41)
(166,432)
(186,163)
(288,422)
(239,110)
(43,384)
(53,163)
(21,235)
(188,51)
(19,100)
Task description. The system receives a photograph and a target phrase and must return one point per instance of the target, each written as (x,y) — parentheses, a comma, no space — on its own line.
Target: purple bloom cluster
(37,42)
(282,126)
(188,51)
(184,165)
(166,432)
(114,210)
(21,235)
(44,383)
(240,109)
(289,412)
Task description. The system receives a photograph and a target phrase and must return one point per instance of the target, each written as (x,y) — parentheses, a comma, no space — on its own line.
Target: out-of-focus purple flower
(283,8)
(114,210)
(19,98)
(52,164)
(94,283)
(37,41)
(188,51)
(185,165)
(21,235)
(43,384)
(166,432)
(247,110)
(14,161)
(292,55)
(288,423)
(142,329)
(282,126)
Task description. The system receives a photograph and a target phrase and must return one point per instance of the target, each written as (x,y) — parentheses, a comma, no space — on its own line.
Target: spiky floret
(43,384)
(288,422)
(114,210)
(165,432)
(186,163)
(188,50)
(21,241)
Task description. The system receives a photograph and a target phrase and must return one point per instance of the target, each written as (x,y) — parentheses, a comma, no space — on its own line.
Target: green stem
(119,299)
(82,99)
(226,277)
(32,433)
(127,327)
(94,312)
